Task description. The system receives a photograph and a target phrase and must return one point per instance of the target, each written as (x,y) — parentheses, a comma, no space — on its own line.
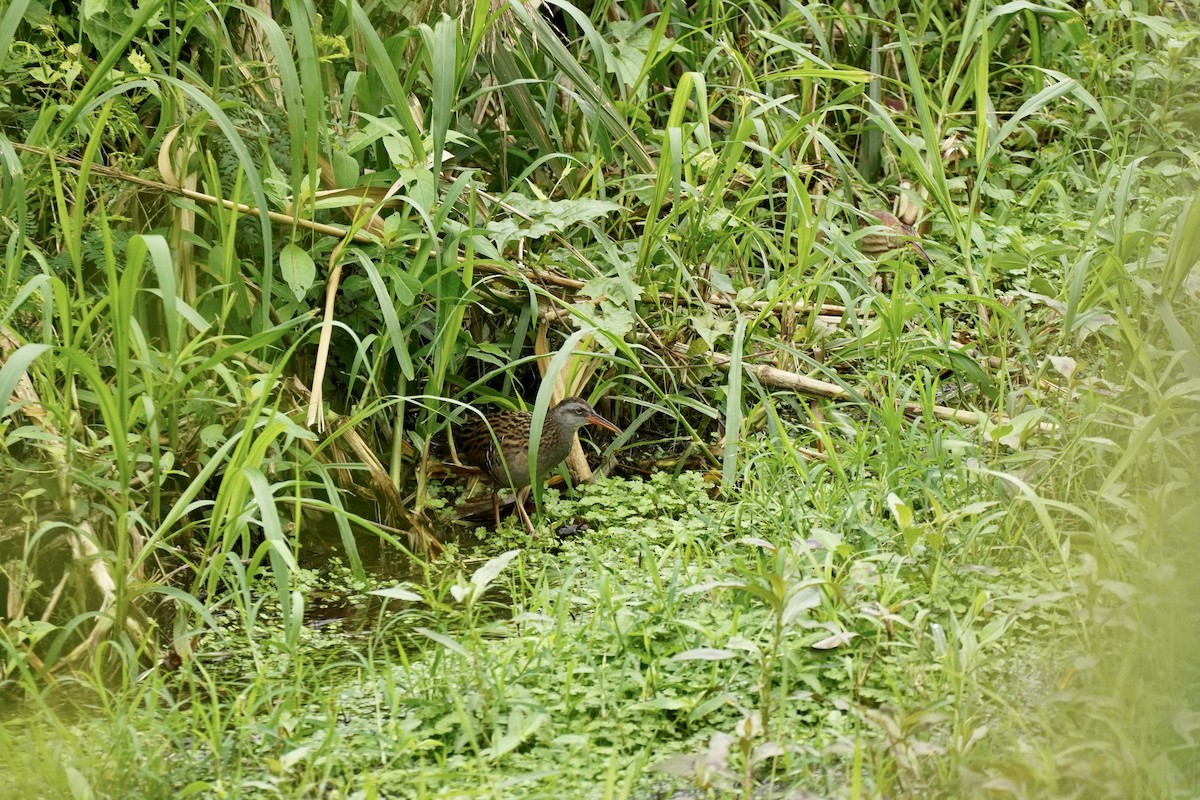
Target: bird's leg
(522,496)
(496,506)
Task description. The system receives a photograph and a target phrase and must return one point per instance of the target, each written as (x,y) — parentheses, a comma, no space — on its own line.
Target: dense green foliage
(883,526)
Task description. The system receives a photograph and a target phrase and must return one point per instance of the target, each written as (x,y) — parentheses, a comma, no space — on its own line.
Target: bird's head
(575,412)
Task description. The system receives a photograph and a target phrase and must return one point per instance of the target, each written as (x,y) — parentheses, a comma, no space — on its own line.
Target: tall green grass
(449,206)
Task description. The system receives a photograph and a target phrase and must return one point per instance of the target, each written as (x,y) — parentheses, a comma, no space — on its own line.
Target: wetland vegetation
(895,306)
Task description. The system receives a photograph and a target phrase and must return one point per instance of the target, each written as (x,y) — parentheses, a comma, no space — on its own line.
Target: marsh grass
(256,261)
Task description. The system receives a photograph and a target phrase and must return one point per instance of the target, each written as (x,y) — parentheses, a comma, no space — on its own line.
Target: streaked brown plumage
(897,235)
(498,444)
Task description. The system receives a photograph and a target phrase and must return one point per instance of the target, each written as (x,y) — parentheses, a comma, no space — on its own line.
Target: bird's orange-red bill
(596,419)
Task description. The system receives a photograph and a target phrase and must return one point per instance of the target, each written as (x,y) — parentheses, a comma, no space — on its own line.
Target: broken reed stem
(782,379)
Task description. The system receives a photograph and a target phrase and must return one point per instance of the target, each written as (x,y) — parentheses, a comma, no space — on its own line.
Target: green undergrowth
(813,635)
(907,527)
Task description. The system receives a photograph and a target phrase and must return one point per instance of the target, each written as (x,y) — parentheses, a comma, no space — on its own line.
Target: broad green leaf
(397,592)
(12,371)
(445,641)
(491,570)
(298,269)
